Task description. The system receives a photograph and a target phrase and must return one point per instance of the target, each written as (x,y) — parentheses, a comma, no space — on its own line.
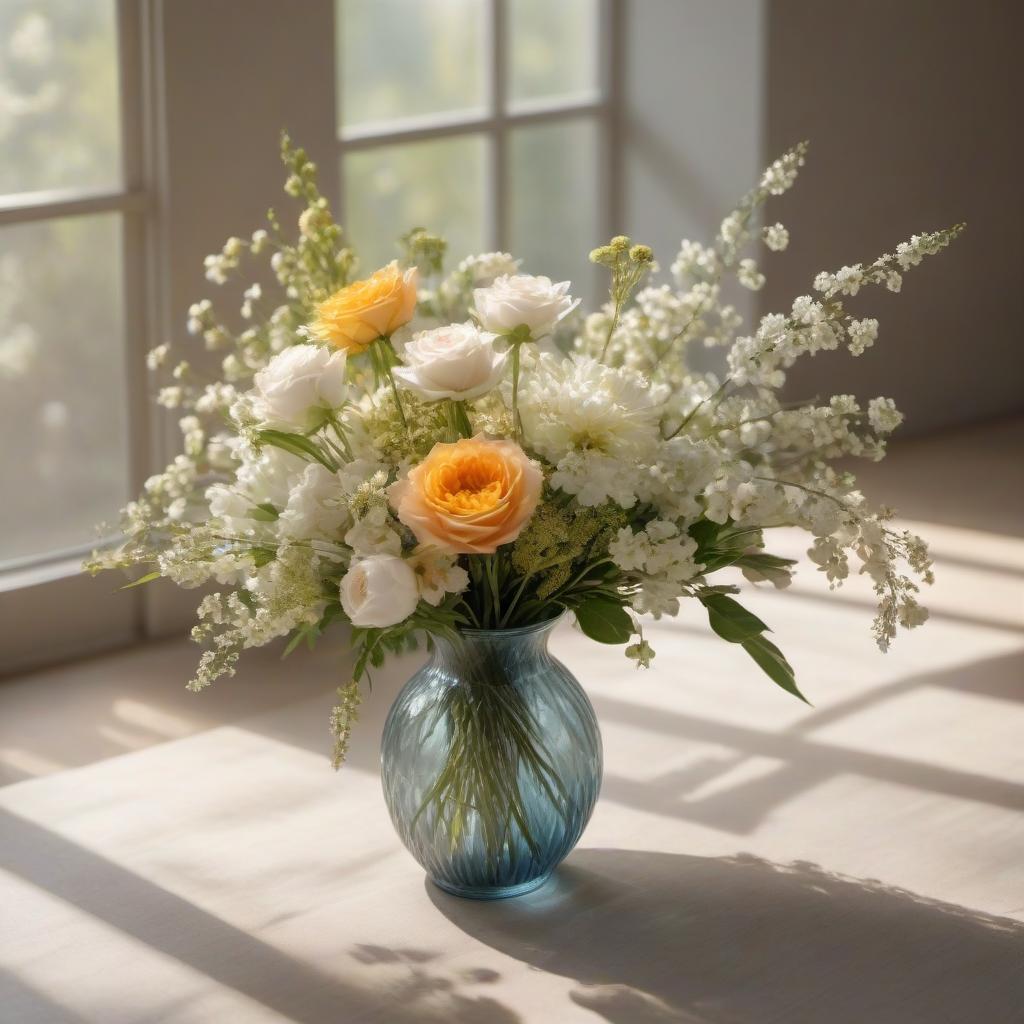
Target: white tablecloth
(750,860)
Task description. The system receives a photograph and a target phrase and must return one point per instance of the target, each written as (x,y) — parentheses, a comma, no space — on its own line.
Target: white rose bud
(299,384)
(523,301)
(457,362)
(379,591)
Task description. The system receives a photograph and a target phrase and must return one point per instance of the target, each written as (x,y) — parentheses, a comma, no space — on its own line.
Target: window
(72,412)
(65,207)
(487,121)
(490,121)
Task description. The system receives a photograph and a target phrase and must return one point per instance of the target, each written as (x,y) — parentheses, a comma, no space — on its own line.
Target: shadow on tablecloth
(657,938)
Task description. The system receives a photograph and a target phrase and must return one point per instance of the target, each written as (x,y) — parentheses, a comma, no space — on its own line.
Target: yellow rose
(469,497)
(357,314)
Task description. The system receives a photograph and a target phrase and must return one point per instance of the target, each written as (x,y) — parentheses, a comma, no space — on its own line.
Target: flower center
(469,485)
(360,587)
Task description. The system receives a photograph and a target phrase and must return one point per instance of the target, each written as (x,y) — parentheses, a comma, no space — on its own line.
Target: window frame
(49,610)
(36,591)
(499,118)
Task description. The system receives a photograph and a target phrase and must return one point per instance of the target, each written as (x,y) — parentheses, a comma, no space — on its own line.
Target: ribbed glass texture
(491,762)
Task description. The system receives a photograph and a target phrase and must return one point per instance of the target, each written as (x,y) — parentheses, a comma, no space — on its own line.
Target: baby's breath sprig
(343,716)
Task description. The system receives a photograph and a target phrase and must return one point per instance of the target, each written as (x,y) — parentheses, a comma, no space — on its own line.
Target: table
(191,858)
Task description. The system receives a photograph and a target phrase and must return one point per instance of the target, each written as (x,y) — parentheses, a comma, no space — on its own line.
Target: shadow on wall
(656,938)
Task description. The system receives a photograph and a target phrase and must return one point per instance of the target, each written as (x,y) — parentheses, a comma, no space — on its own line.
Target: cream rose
(457,362)
(469,497)
(299,384)
(356,315)
(535,303)
(379,591)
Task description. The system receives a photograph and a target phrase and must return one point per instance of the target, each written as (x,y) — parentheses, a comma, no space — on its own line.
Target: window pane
(63,461)
(553,49)
(407,58)
(59,120)
(435,185)
(554,216)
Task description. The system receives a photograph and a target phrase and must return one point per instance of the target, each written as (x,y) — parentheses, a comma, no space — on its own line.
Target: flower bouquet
(464,457)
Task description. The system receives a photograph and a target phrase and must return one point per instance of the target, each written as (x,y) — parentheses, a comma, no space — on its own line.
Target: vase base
(492,892)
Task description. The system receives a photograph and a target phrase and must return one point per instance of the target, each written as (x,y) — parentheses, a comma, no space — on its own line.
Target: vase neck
(492,654)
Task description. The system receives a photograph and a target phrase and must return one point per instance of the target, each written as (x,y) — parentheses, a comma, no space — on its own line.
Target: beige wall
(692,126)
(913,112)
(219,170)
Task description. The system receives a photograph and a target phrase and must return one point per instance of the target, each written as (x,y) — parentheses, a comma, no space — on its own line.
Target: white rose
(298,384)
(457,361)
(379,591)
(523,301)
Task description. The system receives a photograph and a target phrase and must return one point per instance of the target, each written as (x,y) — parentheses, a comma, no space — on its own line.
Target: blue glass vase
(491,762)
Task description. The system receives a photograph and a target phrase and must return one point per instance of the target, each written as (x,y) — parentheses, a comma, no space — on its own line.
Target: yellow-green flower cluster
(422,249)
(561,538)
(627,262)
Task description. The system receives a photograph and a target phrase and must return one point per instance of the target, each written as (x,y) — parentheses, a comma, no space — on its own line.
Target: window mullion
(499,129)
(26,207)
(133,70)
(610,45)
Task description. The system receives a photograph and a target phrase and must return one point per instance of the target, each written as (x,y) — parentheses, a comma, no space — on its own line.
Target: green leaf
(296,639)
(296,444)
(265,512)
(761,560)
(714,560)
(261,556)
(148,578)
(773,663)
(604,620)
(331,612)
(704,532)
(730,620)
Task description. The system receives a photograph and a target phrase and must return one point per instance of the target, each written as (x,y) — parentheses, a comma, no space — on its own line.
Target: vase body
(491,762)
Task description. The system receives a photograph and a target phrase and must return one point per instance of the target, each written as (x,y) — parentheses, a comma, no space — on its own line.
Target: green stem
(385,358)
(611,329)
(491,571)
(700,405)
(339,431)
(458,420)
(462,419)
(515,600)
(516,424)
(566,588)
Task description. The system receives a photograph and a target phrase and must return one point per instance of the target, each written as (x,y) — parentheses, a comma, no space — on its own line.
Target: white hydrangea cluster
(862,335)
(695,260)
(776,237)
(659,561)
(780,176)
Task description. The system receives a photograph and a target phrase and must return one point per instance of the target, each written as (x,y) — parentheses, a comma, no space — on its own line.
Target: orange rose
(469,497)
(363,311)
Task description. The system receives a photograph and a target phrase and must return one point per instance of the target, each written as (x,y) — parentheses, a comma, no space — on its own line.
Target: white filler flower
(535,303)
(299,384)
(379,591)
(457,362)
